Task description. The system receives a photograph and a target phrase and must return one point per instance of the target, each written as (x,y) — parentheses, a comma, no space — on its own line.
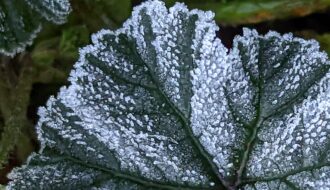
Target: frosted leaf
(17,27)
(20,21)
(161,104)
(55,11)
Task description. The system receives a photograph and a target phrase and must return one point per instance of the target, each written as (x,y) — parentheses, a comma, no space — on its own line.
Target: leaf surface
(161,104)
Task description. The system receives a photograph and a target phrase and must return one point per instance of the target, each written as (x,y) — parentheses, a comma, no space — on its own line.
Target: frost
(162,104)
(20,21)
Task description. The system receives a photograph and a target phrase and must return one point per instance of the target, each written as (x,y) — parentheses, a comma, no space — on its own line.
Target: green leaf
(20,21)
(71,39)
(161,104)
(44,52)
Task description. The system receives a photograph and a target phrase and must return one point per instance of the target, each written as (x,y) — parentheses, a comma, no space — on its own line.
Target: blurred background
(31,77)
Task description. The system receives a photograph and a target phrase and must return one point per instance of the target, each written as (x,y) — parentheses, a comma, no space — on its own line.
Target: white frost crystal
(162,104)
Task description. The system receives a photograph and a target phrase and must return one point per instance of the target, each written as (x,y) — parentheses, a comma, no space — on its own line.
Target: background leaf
(16,34)
(55,11)
(20,23)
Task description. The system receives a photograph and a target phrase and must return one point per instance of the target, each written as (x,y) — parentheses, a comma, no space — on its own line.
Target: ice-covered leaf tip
(20,21)
(162,104)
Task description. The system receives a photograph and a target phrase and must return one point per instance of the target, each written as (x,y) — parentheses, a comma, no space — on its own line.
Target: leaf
(160,104)
(20,23)
(72,38)
(44,52)
(55,11)
(17,27)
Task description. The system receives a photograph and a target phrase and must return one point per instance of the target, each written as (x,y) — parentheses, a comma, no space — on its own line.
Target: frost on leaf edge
(22,45)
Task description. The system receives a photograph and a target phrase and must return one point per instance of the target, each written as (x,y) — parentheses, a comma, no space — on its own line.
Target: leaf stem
(254,126)
(14,102)
(248,150)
